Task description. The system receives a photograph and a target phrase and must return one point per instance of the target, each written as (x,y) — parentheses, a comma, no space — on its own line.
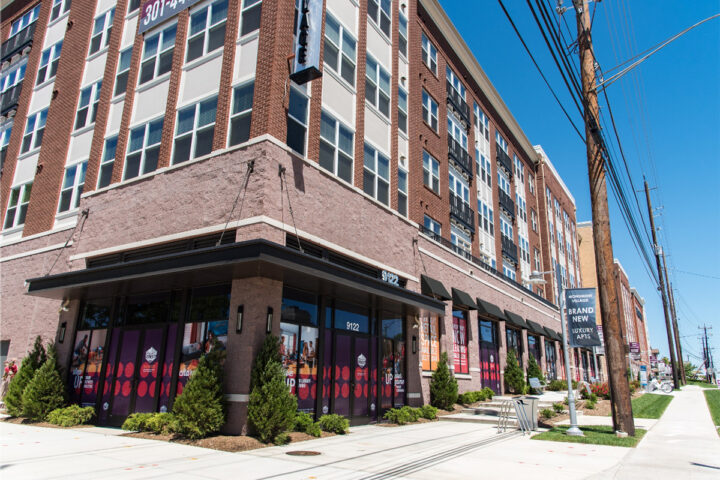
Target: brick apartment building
(165,183)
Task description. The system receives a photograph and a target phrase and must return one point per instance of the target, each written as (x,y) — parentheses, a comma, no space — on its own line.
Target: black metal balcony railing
(458,104)
(504,160)
(509,249)
(17,42)
(506,203)
(10,99)
(462,212)
(460,157)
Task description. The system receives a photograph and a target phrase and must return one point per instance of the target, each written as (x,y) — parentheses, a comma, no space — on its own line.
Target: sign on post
(582,329)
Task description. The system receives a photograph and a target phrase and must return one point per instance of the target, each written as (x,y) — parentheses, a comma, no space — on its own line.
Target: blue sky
(667,112)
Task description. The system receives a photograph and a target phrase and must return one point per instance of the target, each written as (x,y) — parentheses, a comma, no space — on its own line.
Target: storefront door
(489,356)
(353,363)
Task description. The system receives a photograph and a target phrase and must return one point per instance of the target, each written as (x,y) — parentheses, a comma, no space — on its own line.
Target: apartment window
(34,130)
(536,254)
(107,163)
(430,110)
(552,233)
(455,82)
(59,7)
(460,239)
(379,13)
(402,192)
(460,350)
(482,122)
(402,109)
(21,23)
(506,227)
(429,54)
(49,63)
(432,226)
(376,175)
(10,78)
(486,218)
(377,86)
(101,31)
(509,270)
(251,10)
(520,207)
(241,113)
(340,49)
(503,182)
(458,186)
(144,148)
(195,130)
(157,54)
(297,121)
(501,141)
(207,29)
(519,169)
(336,147)
(5,132)
(533,219)
(87,107)
(431,172)
(17,206)
(403,34)
(456,131)
(483,168)
(133,5)
(531,183)
(72,187)
(524,249)
(121,78)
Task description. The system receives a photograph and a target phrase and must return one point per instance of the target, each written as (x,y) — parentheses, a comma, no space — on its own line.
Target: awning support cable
(283,180)
(243,190)
(83,217)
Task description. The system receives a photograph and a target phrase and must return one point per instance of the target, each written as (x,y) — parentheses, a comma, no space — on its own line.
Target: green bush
(281,439)
(269,352)
(398,416)
(30,364)
(413,412)
(429,412)
(443,385)
(137,422)
(314,430)
(566,401)
(590,405)
(334,423)
(556,385)
(593,398)
(476,396)
(558,407)
(272,408)
(46,391)
(533,370)
(514,378)
(303,421)
(546,413)
(71,416)
(488,393)
(160,423)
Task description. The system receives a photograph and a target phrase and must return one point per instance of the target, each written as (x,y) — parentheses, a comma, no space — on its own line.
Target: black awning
(515,320)
(462,299)
(433,288)
(535,327)
(486,308)
(551,334)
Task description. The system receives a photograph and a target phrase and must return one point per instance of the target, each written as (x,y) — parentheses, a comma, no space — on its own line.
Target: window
(456,131)
(87,107)
(402,192)
(11,78)
(403,34)
(133,5)
(251,10)
(336,147)
(207,30)
(195,130)
(297,121)
(506,227)
(376,175)
(429,54)
(430,342)
(123,71)
(101,31)
(17,206)
(521,207)
(377,86)
(486,218)
(455,82)
(533,219)
(552,233)
(22,22)
(402,109)
(5,132)
(537,260)
(430,110)
(482,122)
(503,182)
(531,183)
(431,172)
(72,187)
(157,54)
(460,239)
(241,113)
(509,270)
(34,130)
(524,248)
(460,352)
(379,13)
(59,7)
(340,51)
(432,226)
(514,341)
(501,141)
(49,63)
(458,185)
(144,149)
(483,168)
(107,162)
(519,169)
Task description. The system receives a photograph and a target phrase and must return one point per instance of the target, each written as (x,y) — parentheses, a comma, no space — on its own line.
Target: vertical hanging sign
(582,329)
(308,40)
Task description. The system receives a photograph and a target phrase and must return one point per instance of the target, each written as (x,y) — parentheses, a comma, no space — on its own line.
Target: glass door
(489,356)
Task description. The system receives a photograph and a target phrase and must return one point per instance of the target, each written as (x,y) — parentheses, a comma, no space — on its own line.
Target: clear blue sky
(668,115)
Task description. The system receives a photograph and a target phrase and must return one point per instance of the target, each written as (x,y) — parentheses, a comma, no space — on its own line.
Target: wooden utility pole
(676,331)
(612,328)
(658,252)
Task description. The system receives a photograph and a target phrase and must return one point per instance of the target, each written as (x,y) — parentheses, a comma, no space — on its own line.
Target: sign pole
(573,431)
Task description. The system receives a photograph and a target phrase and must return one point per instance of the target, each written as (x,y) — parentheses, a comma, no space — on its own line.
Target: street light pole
(573,431)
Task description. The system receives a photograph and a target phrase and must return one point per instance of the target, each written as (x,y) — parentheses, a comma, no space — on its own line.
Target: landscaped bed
(597,435)
(226,443)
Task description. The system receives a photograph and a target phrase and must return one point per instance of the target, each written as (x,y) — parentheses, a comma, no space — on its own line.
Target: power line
(696,274)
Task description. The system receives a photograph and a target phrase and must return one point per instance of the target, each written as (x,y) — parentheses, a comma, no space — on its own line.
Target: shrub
(14,396)
(602,390)
(590,405)
(558,407)
(160,423)
(334,423)
(488,393)
(398,416)
(468,397)
(303,421)
(281,439)
(272,408)
(314,430)
(429,412)
(556,385)
(46,391)
(514,378)
(269,352)
(546,413)
(634,386)
(443,386)
(413,412)
(593,398)
(566,401)
(136,422)
(533,370)
(71,416)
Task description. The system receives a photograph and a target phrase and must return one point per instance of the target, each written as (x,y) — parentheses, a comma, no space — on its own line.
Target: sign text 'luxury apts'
(580,304)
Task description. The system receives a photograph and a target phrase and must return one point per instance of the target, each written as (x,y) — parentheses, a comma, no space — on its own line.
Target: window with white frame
(455,82)
(548,197)
(484,170)
(402,109)
(458,185)
(5,132)
(503,182)
(26,19)
(521,207)
(133,5)
(524,248)
(552,233)
(519,169)
(533,220)
(536,254)
(72,187)
(34,130)
(501,141)
(297,123)
(379,13)
(377,86)
(101,31)
(376,175)
(49,63)
(107,162)
(121,79)
(460,238)
(144,148)
(207,29)
(59,7)
(251,10)
(88,105)
(336,147)
(157,54)
(340,49)
(241,113)
(431,172)
(195,130)
(506,227)
(12,76)
(429,54)
(430,110)
(531,183)
(17,206)
(456,131)
(403,34)
(432,225)
(402,191)
(482,122)
(486,222)
(509,270)
(561,244)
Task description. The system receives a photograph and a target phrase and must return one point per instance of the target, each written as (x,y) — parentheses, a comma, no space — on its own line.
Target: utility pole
(676,331)
(612,328)
(658,252)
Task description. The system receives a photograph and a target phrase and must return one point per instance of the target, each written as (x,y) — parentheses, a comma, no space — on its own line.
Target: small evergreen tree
(269,352)
(45,392)
(533,370)
(514,378)
(34,360)
(443,385)
(272,407)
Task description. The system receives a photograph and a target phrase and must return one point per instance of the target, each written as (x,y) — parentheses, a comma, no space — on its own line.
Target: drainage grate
(302,453)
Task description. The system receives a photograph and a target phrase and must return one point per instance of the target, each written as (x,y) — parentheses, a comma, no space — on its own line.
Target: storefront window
(460,341)
(550,360)
(430,342)
(299,307)
(393,362)
(142,310)
(351,317)
(534,347)
(514,341)
(89,351)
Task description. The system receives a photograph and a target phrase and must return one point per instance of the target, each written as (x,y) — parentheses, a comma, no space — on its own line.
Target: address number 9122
(390,278)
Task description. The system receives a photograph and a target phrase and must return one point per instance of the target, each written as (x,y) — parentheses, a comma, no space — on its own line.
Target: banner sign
(582,329)
(635,347)
(154,12)
(308,42)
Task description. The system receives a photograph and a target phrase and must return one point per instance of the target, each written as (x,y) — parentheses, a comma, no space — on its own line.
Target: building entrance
(489,356)
(354,388)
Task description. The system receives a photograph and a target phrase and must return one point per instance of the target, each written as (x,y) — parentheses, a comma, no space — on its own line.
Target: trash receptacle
(530,407)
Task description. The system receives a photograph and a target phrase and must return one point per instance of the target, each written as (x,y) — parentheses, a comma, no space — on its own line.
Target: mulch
(225,443)
(27,421)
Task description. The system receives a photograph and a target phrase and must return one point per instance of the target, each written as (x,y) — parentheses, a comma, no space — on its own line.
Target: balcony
(462,212)
(509,249)
(504,160)
(458,104)
(506,203)
(460,157)
(10,98)
(17,42)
